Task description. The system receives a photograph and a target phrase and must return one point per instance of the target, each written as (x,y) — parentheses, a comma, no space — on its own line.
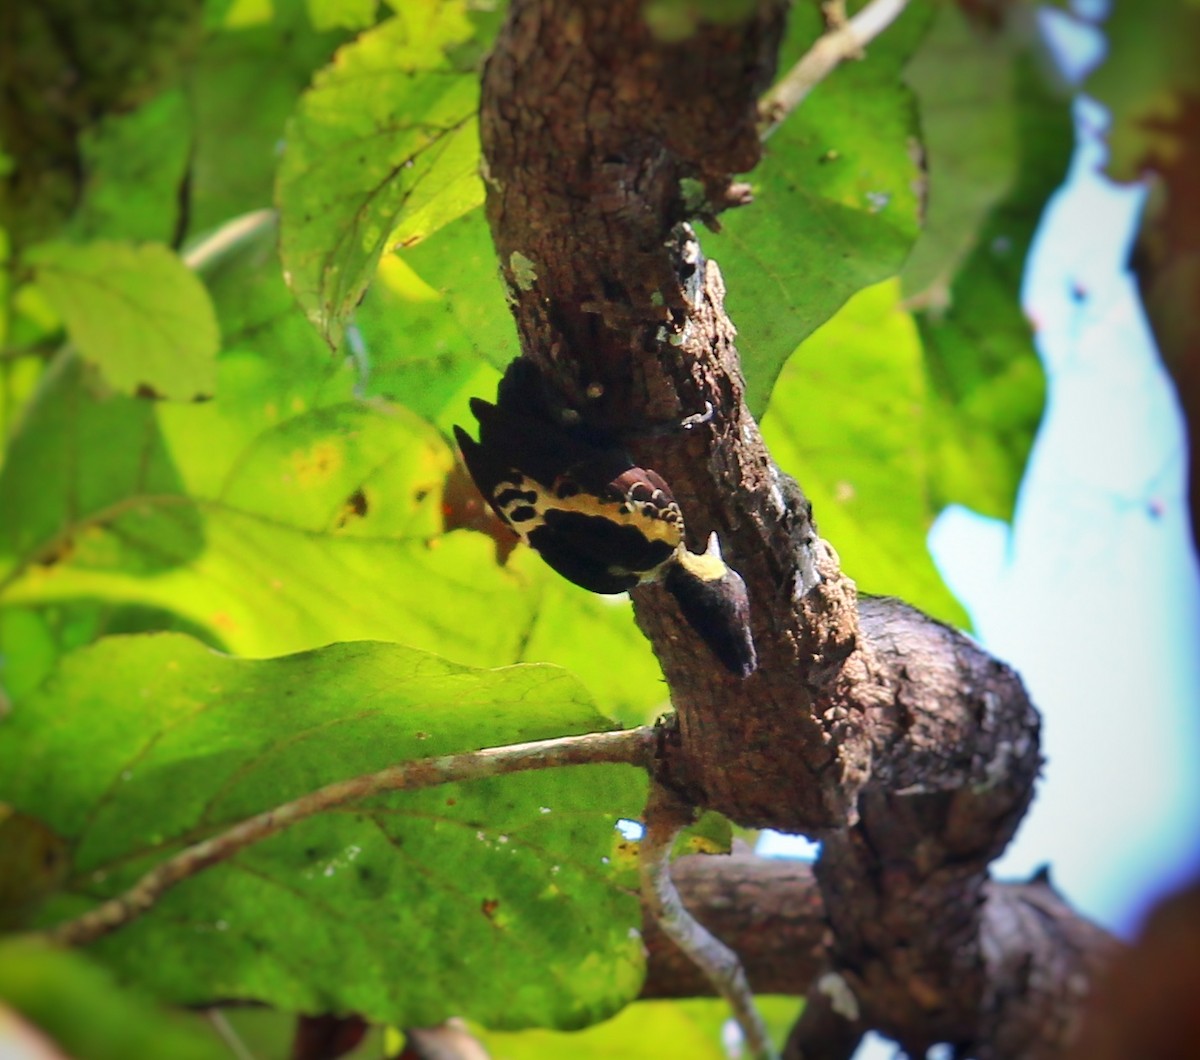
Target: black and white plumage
(596,517)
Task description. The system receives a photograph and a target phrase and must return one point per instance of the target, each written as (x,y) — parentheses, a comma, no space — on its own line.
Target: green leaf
(711,834)
(987,381)
(76,455)
(342,14)
(836,205)
(18,381)
(62,67)
(595,638)
(502,892)
(432,348)
(283,515)
(236,147)
(137,312)
(648,1030)
(79,1005)
(861,450)
(134,166)
(273,365)
(469,310)
(386,138)
(963,79)
(33,639)
(30,651)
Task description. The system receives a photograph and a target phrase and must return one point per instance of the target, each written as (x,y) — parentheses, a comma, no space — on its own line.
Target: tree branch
(768,910)
(907,749)
(634,747)
(231,235)
(845,40)
(772,914)
(666,816)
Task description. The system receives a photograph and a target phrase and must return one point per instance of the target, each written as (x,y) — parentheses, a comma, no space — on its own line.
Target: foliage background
(248,289)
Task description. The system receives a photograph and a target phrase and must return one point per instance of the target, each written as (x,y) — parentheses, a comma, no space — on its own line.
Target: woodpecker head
(714,601)
(597,518)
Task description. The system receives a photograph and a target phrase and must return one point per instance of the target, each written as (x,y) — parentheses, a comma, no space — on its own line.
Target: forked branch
(666,816)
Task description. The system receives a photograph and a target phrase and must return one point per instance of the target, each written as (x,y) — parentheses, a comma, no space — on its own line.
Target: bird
(572,492)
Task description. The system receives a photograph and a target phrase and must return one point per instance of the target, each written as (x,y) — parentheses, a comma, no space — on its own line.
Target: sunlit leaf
(342,14)
(648,1030)
(385,137)
(432,340)
(283,515)
(836,203)
(861,451)
(503,893)
(135,311)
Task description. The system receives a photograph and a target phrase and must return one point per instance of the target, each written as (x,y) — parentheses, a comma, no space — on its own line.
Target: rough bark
(589,128)
(769,911)
(773,914)
(909,751)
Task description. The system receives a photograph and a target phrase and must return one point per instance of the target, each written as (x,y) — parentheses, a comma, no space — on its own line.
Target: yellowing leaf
(386,137)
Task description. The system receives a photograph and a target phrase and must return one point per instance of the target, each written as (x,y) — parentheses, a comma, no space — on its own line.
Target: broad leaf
(265,53)
(962,76)
(499,899)
(283,515)
(986,379)
(80,453)
(342,14)
(135,311)
(836,203)
(133,168)
(648,1030)
(386,137)
(861,450)
(80,1007)
(437,316)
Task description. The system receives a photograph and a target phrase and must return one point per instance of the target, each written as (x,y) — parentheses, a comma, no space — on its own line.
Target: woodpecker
(575,495)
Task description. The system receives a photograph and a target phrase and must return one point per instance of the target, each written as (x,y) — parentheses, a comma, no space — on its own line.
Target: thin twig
(834,13)
(842,42)
(231,1038)
(630,747)
(665,816)
(230,235)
